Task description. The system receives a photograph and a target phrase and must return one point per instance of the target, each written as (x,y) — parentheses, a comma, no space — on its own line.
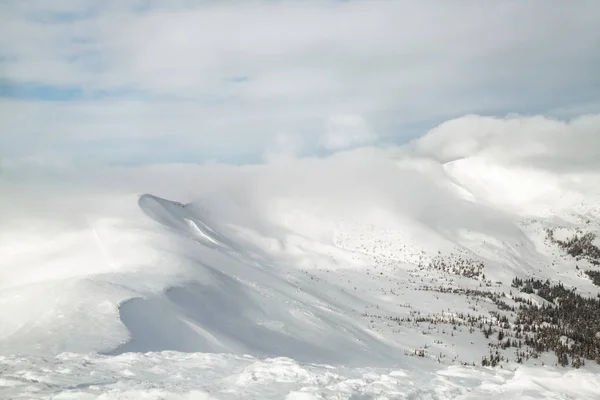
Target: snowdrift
(233,303)
(201,376)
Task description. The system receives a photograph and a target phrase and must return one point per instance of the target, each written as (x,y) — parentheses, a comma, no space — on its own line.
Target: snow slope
(277,263)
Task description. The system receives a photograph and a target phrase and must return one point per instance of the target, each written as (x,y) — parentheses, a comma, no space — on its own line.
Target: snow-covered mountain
(354,275)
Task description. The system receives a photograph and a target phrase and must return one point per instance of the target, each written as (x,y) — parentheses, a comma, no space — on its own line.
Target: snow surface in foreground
(201,376)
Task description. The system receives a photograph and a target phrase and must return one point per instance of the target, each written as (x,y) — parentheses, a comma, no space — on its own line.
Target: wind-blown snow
(271,273)
(201,376)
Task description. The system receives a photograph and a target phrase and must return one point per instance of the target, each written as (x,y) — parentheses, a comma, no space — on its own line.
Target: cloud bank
(536,141)
(147,81)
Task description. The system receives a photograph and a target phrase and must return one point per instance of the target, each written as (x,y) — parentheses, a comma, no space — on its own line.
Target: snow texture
(273,283)
(201,376)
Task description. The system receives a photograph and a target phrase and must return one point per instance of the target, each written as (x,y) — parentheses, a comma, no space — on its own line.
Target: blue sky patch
(240,79)
(45,92)
(32,91)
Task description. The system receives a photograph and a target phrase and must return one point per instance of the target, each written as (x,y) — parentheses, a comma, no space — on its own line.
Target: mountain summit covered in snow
(428,270)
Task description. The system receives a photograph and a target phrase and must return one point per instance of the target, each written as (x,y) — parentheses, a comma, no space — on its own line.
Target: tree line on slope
(567,323)
(579,246)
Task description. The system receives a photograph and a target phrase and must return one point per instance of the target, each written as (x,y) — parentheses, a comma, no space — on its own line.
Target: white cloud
(347,130)
(538,140)
(285,146)
(396,64)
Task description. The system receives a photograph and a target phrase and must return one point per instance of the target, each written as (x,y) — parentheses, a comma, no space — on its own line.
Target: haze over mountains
(360,260)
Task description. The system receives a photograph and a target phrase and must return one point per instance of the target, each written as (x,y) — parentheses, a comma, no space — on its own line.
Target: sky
(130,82)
